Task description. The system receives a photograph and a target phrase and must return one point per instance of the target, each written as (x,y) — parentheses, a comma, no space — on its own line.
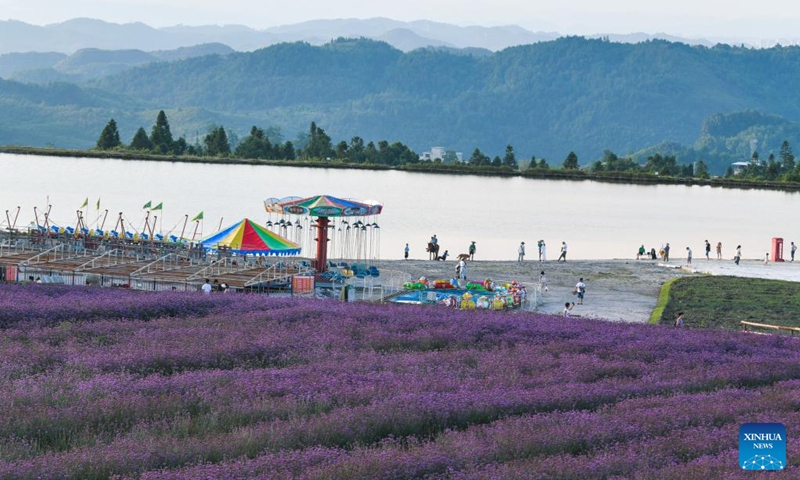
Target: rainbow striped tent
(248,237)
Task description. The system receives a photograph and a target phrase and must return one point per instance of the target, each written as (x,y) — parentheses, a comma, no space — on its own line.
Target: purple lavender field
(130,385)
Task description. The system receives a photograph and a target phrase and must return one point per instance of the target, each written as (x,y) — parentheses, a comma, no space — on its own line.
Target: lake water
(597,220)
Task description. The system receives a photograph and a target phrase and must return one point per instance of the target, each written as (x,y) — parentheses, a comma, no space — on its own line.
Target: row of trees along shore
(317,145)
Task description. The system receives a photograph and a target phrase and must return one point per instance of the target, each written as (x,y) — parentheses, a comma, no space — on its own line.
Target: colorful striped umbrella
(248,237)
(321,206)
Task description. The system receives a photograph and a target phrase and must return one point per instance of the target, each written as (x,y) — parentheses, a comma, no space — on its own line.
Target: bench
(773,327)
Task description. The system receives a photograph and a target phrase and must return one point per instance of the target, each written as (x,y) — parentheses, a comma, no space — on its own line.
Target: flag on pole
(98,204)
(148,204)
(85,203)
(159,206)
(198,217)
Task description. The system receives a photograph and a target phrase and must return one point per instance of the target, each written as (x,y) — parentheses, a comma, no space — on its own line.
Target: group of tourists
(663,253)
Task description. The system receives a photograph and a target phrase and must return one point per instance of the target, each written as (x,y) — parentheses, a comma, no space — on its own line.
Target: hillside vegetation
(546,99)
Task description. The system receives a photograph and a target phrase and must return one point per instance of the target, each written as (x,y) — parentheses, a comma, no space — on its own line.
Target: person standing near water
(793,249)
(666,252)
(688,256)
(472,249)
(719,250)
(738,255)
(563,252)
(521,252)
(708,250)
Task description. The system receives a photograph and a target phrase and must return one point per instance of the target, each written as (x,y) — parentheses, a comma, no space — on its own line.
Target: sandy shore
(619,290)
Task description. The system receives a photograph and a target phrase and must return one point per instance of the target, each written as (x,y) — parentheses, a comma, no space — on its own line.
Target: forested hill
(545,99)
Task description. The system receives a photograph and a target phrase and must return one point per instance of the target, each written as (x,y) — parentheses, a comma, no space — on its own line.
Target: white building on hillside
(440,153)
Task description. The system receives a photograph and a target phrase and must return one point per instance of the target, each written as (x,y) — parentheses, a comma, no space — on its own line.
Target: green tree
(497,162)
(341,150)
(161,136)
(510,159)
(288,152)
(319,143)
(109,137)
(477,158)
(773,168)
(255,145)
(371,153)
(701,170)
(216,142)
(571,162)
(356,150)
(543,164)
(663,166)
(787,158)
(141,141)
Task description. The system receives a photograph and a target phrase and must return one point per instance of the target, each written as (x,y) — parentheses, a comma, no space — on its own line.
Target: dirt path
(620,290)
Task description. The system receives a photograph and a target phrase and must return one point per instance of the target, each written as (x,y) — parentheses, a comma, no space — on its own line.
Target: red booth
(777,249)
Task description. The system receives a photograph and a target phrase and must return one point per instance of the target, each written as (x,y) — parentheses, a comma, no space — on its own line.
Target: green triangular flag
(197,217)
(148,204)
(159,206)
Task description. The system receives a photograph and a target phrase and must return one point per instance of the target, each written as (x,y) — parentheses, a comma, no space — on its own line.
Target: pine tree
(571,162)
(161,136)
(510,159)
(787,158)
(141,141)
(109,137)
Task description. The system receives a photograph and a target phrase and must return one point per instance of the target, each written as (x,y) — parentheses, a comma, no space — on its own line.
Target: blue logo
(762,446)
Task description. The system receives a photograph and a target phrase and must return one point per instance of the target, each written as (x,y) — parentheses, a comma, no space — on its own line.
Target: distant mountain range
(82,33)
(88,63)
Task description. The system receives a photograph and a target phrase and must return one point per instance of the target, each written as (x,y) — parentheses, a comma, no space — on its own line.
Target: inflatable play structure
(486,295)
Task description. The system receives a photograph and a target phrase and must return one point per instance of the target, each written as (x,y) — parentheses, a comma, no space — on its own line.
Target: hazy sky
(764,18)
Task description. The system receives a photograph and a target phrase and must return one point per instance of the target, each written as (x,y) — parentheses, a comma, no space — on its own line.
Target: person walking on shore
(719,250)
(688,256)
(406,252)
(544,251)
(666,252)
(738,255)
(472,249)
(563,252)
(580,290)
(793,249)
(521,252)
(708,250)
(543,282)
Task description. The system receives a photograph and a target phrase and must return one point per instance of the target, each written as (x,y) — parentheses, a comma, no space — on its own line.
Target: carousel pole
(103,224)
(322,244)
(185,222)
